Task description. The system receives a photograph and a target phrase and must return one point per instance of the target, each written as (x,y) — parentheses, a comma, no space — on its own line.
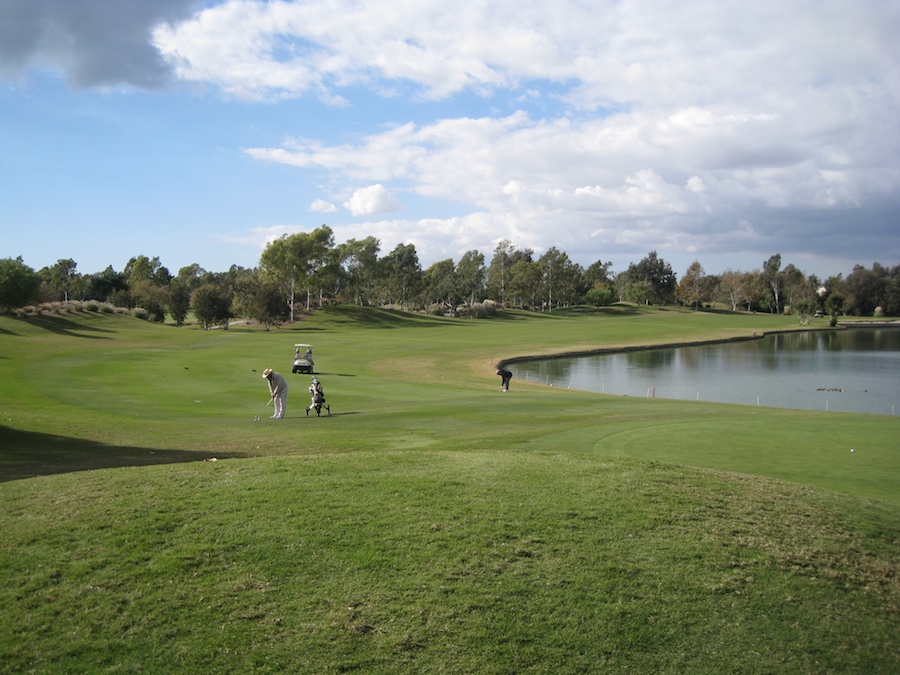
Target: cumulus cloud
(371,200)
(712,125)
(321,206)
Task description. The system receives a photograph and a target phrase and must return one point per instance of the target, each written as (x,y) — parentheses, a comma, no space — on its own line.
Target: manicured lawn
(431,523)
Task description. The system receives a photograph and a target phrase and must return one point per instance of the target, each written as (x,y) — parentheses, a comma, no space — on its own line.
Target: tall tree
(691,289)
(401,273)
(598,273)
(524,283)
(439,284)
(62,277)
(774,279)
(505,256)
(359,259)
(560,278)
(470,276)
(293,260)
(866,289)
(658,275)
(142,268)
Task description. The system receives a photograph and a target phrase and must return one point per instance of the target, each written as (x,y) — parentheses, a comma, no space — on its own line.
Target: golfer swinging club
(278,390)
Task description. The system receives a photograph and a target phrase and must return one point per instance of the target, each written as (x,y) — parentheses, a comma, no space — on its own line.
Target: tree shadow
(63,326)
(375,317)
(27,454)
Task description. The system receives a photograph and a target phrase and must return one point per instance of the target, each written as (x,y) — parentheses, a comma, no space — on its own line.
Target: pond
(854,370)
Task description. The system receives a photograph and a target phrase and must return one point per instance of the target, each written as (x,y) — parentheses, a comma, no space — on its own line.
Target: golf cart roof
(310,346)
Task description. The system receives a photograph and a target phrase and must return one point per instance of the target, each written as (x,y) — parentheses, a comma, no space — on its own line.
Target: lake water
(853,370)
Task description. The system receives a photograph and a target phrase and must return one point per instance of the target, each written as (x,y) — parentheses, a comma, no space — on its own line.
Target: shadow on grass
(372,317)
(63,326)
(27,454)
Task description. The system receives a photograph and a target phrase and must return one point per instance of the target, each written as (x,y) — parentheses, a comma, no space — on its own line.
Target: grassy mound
(431,523)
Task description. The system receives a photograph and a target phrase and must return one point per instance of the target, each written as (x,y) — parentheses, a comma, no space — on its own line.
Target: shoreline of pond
(759,335)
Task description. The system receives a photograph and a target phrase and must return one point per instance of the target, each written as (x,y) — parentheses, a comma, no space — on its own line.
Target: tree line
(302,271)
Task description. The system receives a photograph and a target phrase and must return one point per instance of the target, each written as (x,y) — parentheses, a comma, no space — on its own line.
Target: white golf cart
(303,360)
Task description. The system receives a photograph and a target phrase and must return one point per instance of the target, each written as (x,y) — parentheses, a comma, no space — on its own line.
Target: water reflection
(856,370)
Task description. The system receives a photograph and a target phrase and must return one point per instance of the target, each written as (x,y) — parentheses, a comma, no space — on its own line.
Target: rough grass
(431,524)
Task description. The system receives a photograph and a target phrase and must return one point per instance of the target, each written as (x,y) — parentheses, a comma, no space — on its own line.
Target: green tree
(62,277)
(212,306)
(524,280)
(692,289)
(103,286)
(835,305)
(19,284)
(639,292)
(152,297)
(359,259)
(470,276)
(293,261)
(731,288)
(439,284)
(259,299)
(142,268)
(498,273)
(179,300)
(658,276)
(774,278)
(599,296)
(867,289)
(401,274)
(560,278)
(598,273)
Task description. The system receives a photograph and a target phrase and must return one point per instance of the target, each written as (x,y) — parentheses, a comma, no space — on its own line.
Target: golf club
(256,419)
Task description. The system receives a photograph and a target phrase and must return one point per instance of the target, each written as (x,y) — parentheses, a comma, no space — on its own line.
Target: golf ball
(852,450)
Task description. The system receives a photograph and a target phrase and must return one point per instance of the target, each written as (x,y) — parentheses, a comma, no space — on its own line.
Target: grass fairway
(431,523)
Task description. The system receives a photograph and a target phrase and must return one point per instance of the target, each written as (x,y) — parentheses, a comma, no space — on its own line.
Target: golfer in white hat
(278,390)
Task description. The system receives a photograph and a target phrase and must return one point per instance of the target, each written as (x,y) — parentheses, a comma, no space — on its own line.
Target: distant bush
(480,310)
(140,313)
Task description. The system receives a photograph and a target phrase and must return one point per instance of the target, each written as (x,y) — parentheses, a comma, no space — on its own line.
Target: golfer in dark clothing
(505,377)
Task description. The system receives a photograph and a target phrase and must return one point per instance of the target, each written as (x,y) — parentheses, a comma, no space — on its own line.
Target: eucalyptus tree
(498,272)
(293,260)
(470,276)
(359,260)
(772,275)
(400,274)
(323,264)
(691,288)
(439,284)
(524,283)
(62,277)
(142,268)
(559,278)
(730,288)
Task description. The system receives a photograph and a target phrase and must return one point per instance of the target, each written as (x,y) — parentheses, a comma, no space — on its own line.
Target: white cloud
(371,200)
(321,206)
(606,126)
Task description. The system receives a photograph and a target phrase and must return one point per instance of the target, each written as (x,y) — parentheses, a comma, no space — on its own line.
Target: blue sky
(713,130)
